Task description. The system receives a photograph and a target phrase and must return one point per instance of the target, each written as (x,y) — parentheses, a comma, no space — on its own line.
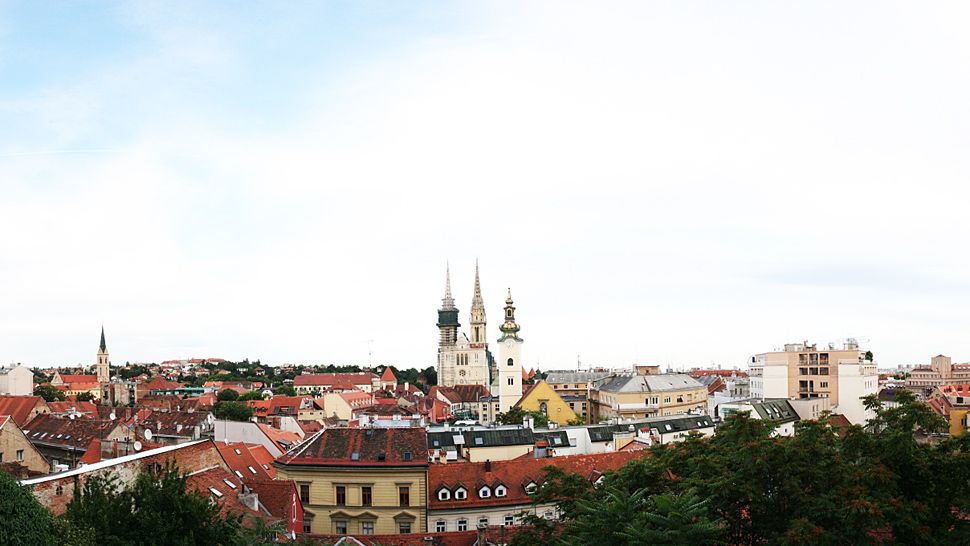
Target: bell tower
(102,368)
(510,360)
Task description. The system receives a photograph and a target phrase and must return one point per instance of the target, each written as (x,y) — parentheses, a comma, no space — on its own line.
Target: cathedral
(463,360)
(467,361)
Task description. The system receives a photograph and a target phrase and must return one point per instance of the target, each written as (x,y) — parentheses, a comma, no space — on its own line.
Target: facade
(843,375)
(635,396)
(542,398)
(462,359)
(23,408)
(941,371)
(361,480)
(342,405)
(953,403)
(16,448)
(778,411)
(16,380)
(322,382)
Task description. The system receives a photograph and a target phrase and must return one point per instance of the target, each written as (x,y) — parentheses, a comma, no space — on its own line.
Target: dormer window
(500,491)
(444,494)
(484,492)
(461,493)
(531,488)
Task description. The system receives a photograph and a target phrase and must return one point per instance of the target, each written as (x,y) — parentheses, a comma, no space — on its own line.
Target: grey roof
(680,423)
(555,438)
(650,383)
(777,411)
(498,437)
(573,376)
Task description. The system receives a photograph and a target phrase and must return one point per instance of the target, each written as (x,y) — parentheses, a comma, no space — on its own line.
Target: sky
(673,183)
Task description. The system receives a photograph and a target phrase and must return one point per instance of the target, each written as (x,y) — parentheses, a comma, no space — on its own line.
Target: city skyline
(670,184)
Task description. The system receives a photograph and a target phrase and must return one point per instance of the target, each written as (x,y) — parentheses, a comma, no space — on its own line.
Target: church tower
(448,328)
(510,360)
(477,319)
(102,369)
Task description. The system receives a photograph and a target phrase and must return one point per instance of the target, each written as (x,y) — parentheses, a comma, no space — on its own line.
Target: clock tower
(510,360)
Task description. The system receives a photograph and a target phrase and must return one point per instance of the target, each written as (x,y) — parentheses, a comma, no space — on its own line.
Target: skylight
(251,469)
(229,483)
(215,491)
(355,456)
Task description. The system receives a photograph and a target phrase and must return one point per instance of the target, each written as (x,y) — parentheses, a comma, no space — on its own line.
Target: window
(510,362)
(367,527)
(666,400)
(483,521)
(341,495)
(444,494)
(59,490)
(462,525)
(461,494)
(20,455)
(305,493)
(509,520)
(404,495)
(340,526)
(307,522)
(511,381)
(440,526)
(484,492)
(365,496)
(404,527)
(500,491)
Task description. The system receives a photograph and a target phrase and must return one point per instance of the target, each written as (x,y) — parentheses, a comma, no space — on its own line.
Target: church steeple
(102,368)
(448,315)
(510,330)
(477,319)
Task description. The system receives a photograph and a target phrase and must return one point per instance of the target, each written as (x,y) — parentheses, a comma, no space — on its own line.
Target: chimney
(488,465)
(250,500)
(406,386)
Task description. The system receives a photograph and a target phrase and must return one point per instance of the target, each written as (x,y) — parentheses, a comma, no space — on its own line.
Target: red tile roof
(215,484)
(88,408)
(278,496)
(19,407)
(471,393)
(61,431)
(363,447)
(324,379)
(388,375)
(283,439)
(448,393)
(453,538)
(515,475)
(75,378)
(244,463)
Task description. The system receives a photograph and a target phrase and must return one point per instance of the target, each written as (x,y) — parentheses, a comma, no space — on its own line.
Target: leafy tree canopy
(232,410)
(49,393)
(227,395)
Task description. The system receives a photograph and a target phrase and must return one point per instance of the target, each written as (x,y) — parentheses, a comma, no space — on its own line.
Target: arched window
(543,408)
(510,362)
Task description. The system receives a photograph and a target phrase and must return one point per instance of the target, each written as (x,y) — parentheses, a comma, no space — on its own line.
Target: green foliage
(285,390)
(85,397)
(578,420)
(25,521)
(233,411)
(227,395)
(515,415)
(136,370)
(154,510)
(49,393)
(869,356)
(251,395)
(745,486)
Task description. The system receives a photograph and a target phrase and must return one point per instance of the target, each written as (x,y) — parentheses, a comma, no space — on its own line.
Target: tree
(285,390)
(515,416)
(85,397)
(227,395)
(155,509)
(869,356)
(25,521)
(251,395)
(50,393)
(578,420)
(232,410)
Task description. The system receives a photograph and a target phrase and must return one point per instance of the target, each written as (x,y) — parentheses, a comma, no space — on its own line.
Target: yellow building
(647,394)
(542,398)
(361,480)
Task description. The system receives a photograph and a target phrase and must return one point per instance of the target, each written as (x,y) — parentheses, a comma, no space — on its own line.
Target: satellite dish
(112,416)
(148,434)
(137,445)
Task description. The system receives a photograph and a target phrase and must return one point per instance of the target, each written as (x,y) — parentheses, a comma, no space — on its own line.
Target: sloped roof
(471,393)
(77,378)
(650,383)
(61,431)
(282,438)
(515,475)
(388,375)
(19,407)
(241,460)
(221,486)
(362,447)
(276,495)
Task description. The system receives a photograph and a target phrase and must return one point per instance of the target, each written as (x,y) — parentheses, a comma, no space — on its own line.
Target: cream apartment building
(801,371)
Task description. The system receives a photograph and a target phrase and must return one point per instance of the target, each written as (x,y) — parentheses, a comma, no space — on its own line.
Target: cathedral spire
(477,319)
(447,302)
(104,346)
(477,297)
